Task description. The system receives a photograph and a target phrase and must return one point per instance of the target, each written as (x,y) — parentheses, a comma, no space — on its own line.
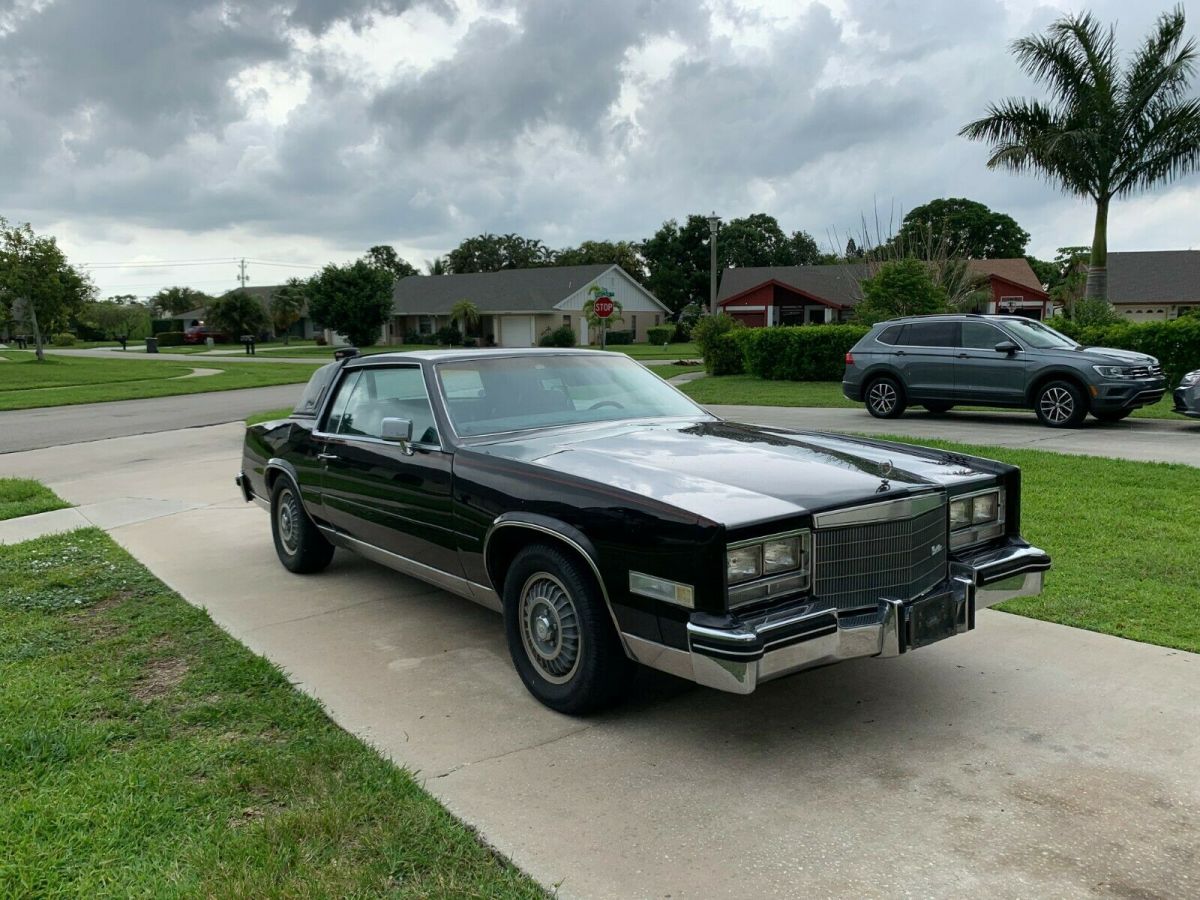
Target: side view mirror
(397,431)
(1008,347)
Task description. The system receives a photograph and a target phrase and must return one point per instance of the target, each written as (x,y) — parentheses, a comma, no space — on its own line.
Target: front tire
(885,398)
(1060,404)
(560,636)
(299,545)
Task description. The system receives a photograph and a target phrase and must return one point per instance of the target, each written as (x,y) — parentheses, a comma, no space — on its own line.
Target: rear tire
(1060,404)
(560,635)
(885,398)
(938,408)
(299,544)
(1111,416)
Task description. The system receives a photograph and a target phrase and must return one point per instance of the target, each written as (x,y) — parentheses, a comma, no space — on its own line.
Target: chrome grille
(1145,371)
(856,565)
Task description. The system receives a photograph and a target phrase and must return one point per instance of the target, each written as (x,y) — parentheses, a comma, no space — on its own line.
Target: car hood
(1118,357)
(739,474)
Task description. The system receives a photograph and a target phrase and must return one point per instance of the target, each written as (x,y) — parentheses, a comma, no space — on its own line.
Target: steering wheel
(600,404)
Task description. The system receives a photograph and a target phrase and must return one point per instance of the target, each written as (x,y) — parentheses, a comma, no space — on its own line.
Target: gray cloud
(126,113)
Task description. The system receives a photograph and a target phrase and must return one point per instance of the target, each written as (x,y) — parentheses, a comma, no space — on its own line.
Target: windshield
(496,394)
(1038,336)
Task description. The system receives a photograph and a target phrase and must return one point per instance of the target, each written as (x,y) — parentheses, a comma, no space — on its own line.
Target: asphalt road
(1023,759)
(29,429)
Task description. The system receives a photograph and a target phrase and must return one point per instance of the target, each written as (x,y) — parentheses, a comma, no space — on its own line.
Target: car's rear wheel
(1112,415)
(885,398)
(938,408)
(1060,404)
(298,542)
(560,636)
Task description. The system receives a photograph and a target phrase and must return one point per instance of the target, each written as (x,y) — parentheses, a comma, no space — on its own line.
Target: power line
(145,264)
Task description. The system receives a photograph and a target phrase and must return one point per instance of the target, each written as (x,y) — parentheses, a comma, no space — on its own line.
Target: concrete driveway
(1022,760)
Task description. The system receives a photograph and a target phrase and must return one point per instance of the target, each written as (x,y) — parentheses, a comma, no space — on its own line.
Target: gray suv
(1008,361)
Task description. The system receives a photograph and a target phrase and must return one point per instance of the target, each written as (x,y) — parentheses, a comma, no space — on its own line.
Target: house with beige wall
(517,306)
(1152,285)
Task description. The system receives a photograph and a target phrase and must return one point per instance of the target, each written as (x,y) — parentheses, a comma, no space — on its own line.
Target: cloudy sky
(302,131)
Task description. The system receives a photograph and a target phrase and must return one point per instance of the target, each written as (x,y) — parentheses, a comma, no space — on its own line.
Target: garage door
(516,331)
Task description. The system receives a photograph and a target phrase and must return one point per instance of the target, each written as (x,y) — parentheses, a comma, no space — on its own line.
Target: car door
(981,374)
(925,356)
(392,497)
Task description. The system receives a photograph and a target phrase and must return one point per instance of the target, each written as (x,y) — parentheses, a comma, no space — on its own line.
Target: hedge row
(799,353)
(1176,343)
(170,338)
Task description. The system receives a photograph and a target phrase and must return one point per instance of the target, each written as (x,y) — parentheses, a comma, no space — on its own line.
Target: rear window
(314,391)
(930,334)
(890,335)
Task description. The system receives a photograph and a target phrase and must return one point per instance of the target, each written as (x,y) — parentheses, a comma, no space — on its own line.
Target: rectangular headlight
(743,563)
(781,555)
(976,518)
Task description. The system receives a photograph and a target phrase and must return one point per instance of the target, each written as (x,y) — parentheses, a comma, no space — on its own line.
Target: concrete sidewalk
(1022,760)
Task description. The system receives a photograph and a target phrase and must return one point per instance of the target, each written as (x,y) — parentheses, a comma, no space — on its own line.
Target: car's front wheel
(1060,404)
(885,398)
(300,546)
(560,636)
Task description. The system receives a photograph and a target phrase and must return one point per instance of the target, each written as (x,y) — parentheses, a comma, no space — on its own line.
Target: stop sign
(603,307)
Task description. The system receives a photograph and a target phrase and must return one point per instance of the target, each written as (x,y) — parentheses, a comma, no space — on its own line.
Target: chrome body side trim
(738,656)
(471,590)
(571,542)
(901,508)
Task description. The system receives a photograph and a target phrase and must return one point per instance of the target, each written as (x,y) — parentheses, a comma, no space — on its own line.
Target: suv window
(890,335)
(981,336)
(930,334)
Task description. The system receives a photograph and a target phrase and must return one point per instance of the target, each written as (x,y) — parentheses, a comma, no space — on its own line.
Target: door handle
(327,456)
(901,353)
(964,356)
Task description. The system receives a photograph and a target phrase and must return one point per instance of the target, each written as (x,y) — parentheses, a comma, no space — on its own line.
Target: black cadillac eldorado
(613,521)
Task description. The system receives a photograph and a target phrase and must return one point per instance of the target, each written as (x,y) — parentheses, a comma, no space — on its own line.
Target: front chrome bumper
(735,655)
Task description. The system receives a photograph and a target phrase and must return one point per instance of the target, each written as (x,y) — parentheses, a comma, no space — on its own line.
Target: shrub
(170,338)
(800,353)
(562,336)
(319,340)
(902,287)
(449,336)
(618,337)
(726,355)
(415,337)
(660,334)
(682,334)
(708,331)
(63,339)
(470,342)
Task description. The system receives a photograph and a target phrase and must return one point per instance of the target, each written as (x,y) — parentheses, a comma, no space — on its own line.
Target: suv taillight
(849,358)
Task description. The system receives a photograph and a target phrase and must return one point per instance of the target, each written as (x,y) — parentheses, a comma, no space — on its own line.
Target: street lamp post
(714,222)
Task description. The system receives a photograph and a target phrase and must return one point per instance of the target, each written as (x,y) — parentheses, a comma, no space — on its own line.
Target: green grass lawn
(144,752)
(269,415)
(747,390)
(24,497)
(656,351)
(1123,536)
(26,383)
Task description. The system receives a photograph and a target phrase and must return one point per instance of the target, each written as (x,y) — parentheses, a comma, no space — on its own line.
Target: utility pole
(714,222)
(242,277)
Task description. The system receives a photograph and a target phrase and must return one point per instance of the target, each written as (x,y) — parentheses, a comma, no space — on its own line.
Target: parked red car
(197,334)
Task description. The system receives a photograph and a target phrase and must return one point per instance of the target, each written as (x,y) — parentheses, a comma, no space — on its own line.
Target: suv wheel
(560,636)
(885,398)
(1060,404)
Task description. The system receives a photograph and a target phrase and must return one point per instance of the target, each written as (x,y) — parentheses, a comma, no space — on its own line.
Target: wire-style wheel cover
(882,397)
(1057,405)
(550,628)
(288,520)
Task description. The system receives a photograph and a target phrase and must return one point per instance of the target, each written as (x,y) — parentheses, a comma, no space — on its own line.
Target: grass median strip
(26,383)
(144,752)
(1123,538)
(25,497)
(748,390)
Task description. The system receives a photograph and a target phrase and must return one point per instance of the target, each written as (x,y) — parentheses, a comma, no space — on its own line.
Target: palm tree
(437,266)
(467,313)
(1106,130)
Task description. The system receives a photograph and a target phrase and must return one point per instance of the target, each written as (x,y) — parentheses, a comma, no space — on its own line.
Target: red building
(799,295)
